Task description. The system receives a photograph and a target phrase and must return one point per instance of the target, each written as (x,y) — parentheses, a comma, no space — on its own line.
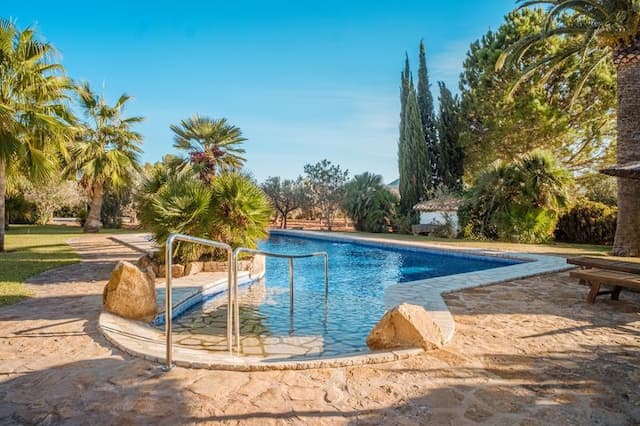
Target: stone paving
(525,352)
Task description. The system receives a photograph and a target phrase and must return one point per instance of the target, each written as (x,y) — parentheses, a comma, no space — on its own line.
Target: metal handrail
(168,305)
(235,302)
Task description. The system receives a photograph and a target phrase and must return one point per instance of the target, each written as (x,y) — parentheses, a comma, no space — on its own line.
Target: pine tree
(413,155)
(451,152)
(428,119)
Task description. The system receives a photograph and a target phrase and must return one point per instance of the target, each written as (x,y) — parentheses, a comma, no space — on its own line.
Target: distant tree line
(326,188)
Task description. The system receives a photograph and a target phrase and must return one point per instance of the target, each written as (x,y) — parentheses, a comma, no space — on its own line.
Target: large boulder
(130,293)
(405,326)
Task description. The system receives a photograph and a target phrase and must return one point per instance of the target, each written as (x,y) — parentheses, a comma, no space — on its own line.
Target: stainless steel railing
(168,305)
(235,303)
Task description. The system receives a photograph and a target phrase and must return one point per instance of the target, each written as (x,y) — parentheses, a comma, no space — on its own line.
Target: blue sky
(304,80)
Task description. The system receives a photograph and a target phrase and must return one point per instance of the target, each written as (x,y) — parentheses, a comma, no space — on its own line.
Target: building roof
(439,204)
(628,170)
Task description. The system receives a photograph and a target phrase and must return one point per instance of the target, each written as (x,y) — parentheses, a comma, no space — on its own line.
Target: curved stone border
(139,339)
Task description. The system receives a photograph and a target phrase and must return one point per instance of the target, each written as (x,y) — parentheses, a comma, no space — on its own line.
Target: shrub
(368,203)
(401,223)
(240,211)
(230,208)
(19,210)
(587,222)
(518,201)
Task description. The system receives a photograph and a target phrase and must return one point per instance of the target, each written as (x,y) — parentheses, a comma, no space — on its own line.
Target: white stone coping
(139,339)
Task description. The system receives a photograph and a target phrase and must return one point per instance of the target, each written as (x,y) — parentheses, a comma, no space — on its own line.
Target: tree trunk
(284,220)
(627,240)
(93,219)
(3,190)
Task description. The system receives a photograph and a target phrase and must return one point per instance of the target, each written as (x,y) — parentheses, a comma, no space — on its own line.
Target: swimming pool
(359,273)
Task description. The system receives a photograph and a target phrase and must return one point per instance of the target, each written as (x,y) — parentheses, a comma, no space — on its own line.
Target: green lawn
(553,248)
(31,250)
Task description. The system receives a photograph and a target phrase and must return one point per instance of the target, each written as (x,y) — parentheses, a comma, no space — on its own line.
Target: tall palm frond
(35,121)
(213,145)
(595,28)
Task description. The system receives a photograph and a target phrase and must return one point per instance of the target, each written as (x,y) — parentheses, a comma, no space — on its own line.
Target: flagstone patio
(527,352)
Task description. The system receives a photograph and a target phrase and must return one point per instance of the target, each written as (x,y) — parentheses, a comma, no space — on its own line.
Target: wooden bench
(599,277)
(588,262)
(427,228)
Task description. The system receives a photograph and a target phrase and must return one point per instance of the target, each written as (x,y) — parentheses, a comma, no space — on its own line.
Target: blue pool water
(358,276)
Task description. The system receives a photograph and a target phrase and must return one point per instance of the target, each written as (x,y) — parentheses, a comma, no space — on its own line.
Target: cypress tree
(405,83)
(403,148)
(428,120)
(413,155)
(451,152)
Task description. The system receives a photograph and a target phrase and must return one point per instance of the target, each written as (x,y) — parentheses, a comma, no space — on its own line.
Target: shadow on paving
(77,307)
(597,385)
(97,391)
(131,391)
(594,385)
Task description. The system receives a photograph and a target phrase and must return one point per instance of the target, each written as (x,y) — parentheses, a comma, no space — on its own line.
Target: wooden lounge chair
(599,277)
(588,262)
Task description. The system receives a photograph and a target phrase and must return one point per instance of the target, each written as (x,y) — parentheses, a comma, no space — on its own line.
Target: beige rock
(130,293)
(221,266)
(215,266)
(177,270)
(156,270)
(150,272)
(193,268)
(145,261)
(405,326)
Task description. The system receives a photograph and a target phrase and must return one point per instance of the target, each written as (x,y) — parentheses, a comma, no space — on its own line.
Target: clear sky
(304,80)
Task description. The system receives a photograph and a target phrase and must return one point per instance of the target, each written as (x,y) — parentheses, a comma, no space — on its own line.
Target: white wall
(438,218)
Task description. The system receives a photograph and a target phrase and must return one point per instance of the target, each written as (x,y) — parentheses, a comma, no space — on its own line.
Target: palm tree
(106,152)
(240,211)
(212,144)
(599,30)
(231,209)
(369,203)
(34,119)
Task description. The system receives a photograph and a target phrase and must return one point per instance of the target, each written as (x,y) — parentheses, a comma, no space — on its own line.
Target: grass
(552,248)
(31,250)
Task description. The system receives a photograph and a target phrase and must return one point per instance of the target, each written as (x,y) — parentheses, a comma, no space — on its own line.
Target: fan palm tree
(368,203)
(212,144)
(34,119)
(106,152)
(240,211)
(599,30)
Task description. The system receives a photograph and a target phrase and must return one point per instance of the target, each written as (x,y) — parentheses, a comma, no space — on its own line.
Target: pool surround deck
(143,340)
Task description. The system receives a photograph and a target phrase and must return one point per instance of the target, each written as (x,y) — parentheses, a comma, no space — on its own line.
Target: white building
(438,213)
